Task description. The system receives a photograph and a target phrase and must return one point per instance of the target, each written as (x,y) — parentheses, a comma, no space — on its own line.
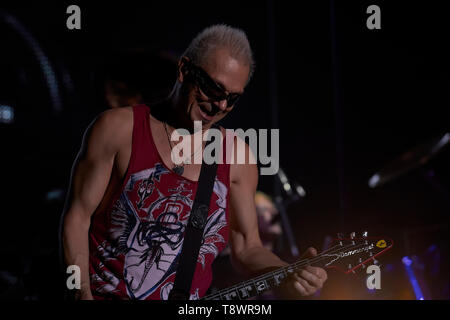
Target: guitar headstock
(348,253)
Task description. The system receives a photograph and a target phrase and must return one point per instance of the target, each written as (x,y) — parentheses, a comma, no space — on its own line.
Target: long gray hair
(221,36)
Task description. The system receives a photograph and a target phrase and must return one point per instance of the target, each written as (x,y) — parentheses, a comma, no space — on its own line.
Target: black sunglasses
(209,87)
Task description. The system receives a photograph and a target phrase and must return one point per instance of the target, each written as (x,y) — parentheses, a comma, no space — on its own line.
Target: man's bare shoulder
(243,161)
(116,119)
(113,127)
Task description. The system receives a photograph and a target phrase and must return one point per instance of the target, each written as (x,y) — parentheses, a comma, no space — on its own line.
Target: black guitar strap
(194,233)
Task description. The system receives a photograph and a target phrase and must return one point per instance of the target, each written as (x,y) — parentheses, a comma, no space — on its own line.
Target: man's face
(229,74)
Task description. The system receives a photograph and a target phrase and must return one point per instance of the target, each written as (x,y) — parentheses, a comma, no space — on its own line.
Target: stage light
(300,191)
(407,262)
(6,114)
(374,180)
(54,195)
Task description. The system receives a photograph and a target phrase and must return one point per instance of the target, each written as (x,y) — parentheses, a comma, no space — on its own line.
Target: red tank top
(134,244)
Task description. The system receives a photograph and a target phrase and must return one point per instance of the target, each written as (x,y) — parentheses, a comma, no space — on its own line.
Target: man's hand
(306,281)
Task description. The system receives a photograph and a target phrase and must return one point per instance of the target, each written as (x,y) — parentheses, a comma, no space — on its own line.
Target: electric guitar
(345,254)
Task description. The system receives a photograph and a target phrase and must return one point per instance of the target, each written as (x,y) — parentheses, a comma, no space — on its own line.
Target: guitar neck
(262,283)
(347,255)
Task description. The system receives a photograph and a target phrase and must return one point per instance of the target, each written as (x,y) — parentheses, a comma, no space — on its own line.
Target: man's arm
(91,173)
(248,253)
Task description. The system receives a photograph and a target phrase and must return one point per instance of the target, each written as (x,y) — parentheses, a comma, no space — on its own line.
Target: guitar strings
(294,266)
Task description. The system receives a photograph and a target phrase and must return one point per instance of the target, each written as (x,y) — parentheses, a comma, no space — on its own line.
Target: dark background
(347,100)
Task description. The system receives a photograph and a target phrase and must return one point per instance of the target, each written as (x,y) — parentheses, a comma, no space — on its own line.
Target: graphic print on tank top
(148,221)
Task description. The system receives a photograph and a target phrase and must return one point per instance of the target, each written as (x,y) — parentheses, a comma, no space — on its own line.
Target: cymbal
(412,159)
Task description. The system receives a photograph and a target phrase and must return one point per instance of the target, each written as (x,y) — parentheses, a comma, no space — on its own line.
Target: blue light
(6,114)
(55,194)
(389,267)
(407,262)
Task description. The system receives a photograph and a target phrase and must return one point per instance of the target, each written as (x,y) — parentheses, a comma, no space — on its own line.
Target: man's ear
(182,68)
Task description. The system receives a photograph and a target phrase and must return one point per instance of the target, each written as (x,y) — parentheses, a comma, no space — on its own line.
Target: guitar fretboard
(357,251)
(264,282)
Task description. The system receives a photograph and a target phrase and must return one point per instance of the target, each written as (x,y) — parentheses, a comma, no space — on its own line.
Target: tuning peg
(340,237)
(352,236)
(365,234)
(375,261)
